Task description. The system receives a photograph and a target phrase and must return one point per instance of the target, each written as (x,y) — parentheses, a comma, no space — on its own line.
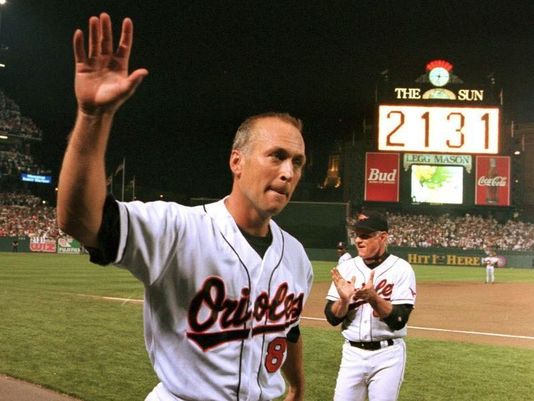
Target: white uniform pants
(374,374)
(490,274)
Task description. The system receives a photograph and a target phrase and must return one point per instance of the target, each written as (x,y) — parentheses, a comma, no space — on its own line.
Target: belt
(372,345)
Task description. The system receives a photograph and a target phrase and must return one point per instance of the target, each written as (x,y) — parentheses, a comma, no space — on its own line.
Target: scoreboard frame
(439,129)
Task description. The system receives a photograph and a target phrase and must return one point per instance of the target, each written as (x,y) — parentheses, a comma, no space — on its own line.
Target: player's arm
(335,311)
(398,318)
(102,85)
(293,369)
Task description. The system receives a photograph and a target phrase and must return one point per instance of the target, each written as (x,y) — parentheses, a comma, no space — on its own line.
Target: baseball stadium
(437,153)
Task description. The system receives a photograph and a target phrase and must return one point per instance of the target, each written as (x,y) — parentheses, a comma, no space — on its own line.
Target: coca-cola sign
(492,181)
(497,181)
(382,177)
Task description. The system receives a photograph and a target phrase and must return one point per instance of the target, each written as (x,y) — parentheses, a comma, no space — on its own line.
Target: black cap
(371,222)
(341,245)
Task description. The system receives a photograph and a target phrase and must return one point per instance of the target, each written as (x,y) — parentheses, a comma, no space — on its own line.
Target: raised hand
(344,288)
(102,83)
(367,292)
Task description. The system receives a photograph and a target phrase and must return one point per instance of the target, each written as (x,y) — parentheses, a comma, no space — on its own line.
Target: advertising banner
(68,245)
(38,244)
(382,177)
(492,181)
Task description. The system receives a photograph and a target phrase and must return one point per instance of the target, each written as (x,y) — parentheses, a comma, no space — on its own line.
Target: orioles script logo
(211,306)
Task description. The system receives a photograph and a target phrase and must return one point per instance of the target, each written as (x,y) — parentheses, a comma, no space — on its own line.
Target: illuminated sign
(450,160)
(438,129)
(41,179)
(464,95)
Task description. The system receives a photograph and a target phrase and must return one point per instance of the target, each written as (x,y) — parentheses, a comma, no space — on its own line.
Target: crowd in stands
(464,232)
(27,215)
(12,122)
(18,133)
(12,163)
(24,215)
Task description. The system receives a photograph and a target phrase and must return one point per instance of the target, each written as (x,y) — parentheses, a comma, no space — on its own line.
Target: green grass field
(94,350)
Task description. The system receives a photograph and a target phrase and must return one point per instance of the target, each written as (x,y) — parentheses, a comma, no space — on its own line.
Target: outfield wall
(416,256)
(41,245)
(437,256)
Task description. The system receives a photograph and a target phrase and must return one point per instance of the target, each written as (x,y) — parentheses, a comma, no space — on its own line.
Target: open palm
(102,82)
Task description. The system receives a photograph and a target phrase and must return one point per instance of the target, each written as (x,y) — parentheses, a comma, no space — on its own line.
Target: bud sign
(382,177)
(492,181)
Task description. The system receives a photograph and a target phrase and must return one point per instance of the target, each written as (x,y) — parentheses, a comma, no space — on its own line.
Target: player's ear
(236,162)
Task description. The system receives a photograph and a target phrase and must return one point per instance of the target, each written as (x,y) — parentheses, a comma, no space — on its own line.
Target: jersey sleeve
(150,234)
(404,291)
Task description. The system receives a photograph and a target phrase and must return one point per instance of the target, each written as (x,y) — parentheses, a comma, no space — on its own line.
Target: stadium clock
(438,129)
(438,76)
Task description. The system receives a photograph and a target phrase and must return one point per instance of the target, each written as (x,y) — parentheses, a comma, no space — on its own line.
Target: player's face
(370,245)
(270,169)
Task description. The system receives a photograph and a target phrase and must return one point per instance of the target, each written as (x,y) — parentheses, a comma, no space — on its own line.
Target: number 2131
(438,129)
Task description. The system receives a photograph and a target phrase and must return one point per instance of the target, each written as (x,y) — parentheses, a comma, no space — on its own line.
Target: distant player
(372,296)
(224,284)
(342,252)
(491,261)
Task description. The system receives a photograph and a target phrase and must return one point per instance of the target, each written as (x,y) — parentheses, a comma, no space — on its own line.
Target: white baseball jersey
(394,280)
(491,261)
(343,258)
(216,314)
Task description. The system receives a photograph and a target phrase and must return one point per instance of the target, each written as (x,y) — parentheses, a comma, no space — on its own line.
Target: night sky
(213,63)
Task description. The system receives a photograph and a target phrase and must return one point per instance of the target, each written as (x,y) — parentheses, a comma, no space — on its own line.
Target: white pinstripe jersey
(216,314)
(394,280)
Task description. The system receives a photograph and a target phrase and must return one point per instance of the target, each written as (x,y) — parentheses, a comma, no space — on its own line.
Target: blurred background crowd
(24,212)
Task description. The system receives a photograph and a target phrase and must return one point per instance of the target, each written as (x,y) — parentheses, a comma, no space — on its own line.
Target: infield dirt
(500,313)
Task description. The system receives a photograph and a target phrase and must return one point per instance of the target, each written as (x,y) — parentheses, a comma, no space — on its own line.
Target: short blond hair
(245,131)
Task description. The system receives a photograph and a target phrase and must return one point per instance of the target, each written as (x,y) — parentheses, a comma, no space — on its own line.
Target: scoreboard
(439,141)
(438,129)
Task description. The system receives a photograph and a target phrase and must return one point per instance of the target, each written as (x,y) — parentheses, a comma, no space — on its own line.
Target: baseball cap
(341,245)
(371,222)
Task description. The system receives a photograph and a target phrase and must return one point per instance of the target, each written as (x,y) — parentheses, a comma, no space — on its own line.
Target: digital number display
(438,129)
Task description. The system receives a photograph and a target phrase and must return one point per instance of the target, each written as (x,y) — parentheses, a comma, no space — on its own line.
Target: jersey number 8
(275,354)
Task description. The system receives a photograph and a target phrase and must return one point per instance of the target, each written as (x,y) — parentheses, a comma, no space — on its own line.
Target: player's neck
(375,260)
(248,219)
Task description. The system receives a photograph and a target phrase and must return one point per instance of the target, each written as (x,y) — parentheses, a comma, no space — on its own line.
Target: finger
(107,34)
(94,37)
(125,44)
(136,78)
(334,274)
(79,47)
(353,280)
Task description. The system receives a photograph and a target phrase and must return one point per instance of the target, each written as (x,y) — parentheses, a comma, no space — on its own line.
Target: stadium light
(2,3)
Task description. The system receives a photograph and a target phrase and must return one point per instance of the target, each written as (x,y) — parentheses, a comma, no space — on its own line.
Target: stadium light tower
(2,3)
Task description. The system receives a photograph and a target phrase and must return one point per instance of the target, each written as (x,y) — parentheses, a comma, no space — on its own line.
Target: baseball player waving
(372,296)
(224,284)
